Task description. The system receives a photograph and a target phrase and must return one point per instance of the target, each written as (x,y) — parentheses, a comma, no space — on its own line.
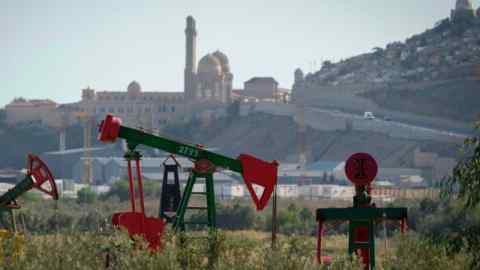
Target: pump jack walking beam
(253,170)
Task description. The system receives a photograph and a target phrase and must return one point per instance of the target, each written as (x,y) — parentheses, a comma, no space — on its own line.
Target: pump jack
(257,175)
(39,177)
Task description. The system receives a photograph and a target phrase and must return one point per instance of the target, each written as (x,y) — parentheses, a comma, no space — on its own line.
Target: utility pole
(87,122)
(274,218)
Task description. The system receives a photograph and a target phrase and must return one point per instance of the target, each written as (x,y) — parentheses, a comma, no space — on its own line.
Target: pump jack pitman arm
(253,170)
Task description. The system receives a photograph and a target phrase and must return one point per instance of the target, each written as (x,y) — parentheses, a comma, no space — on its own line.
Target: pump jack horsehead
(256,173)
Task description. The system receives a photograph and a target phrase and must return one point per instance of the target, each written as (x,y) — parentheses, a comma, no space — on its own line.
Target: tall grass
(223,250)
(115,250)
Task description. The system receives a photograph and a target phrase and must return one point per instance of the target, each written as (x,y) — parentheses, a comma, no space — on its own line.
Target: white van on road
(368,115)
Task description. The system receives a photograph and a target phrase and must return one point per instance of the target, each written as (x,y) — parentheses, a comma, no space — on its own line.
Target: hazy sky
(52,49)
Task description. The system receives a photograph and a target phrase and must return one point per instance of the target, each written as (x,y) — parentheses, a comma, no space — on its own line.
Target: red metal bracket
(40,175)
(137,223)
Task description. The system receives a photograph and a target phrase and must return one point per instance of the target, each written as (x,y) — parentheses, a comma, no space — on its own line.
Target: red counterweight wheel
(40,175)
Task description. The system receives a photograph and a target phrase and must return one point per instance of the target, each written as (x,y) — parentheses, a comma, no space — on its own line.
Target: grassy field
(227,250)
(71,235)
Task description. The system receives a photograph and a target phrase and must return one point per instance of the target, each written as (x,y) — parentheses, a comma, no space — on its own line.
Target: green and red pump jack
(254,172)
(38,176)
(361,169)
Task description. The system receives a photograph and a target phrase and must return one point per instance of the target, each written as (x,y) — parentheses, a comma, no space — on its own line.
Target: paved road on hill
(394,124)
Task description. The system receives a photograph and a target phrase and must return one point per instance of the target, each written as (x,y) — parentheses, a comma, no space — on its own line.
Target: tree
(86,195)
(466,175)
(464,184)
(120,189)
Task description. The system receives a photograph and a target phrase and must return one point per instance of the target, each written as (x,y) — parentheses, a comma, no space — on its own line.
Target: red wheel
(41,175)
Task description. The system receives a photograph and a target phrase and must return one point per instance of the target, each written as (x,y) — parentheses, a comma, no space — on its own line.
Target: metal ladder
(180,222)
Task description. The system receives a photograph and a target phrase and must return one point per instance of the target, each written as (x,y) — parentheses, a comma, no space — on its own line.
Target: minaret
(190,60)
(300,120)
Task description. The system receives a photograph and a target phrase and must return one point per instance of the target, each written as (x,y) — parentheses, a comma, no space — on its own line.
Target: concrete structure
(213,80)
(262,88)
(149,110)
(20,110)
(463,11)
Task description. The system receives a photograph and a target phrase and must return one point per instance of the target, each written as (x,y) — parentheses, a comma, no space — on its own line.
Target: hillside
(274,137)
(432,73)
(454,99)
(18,141)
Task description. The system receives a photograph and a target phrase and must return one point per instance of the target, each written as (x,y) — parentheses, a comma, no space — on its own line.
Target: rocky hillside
(447,51)
(440,63)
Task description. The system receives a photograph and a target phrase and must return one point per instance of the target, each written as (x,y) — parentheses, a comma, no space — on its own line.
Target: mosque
(210,83)
(212,80)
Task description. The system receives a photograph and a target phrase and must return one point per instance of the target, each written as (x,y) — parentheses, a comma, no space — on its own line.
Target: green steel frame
(361,218)
(136,137)
(180,223)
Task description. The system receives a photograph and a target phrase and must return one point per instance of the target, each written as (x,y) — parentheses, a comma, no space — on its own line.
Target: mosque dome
(223,60)
(210,65)
(134,88)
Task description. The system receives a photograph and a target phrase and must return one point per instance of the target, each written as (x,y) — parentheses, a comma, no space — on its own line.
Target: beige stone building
(207,87)
(262,89)
(211,82)
(20,110)
(137,108)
